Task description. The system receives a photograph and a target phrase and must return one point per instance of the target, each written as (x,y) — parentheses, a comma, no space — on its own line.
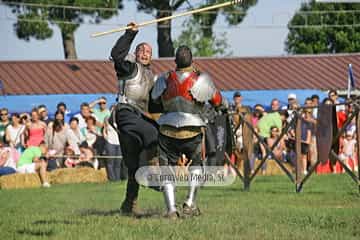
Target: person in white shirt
(115,168)
(14,133)
(85,112)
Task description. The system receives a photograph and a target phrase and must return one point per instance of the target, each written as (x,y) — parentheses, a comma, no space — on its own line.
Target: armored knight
(138,134)
(183,93)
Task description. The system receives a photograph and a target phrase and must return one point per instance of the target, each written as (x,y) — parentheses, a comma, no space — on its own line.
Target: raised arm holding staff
(137,133)
(195,11)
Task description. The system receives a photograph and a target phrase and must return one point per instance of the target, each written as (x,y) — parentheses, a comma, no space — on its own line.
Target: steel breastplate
(137,88)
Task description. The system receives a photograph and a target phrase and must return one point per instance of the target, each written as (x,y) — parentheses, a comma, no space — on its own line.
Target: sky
(262,33)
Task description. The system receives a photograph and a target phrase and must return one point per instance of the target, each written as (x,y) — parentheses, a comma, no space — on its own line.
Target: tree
(35,18)
(163,8)
(201,45)
(234,15)
(324,28)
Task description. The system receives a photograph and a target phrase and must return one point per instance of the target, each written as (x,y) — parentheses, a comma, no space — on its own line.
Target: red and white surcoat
(183,95)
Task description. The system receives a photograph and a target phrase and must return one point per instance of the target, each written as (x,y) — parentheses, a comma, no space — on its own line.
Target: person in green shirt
(30,162)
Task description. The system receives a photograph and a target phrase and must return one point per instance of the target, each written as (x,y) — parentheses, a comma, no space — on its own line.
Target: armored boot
(169,197)
(189,207)
(129,205)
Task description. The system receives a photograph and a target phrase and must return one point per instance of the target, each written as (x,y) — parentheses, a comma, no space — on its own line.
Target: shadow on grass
(45,222)
(148,213)
(39,233)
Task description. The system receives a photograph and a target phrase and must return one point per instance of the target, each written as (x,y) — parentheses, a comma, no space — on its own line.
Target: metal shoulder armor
(159,86)
(203,89)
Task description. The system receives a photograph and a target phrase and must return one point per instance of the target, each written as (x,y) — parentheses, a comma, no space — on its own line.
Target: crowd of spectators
(270,123)
(37,143)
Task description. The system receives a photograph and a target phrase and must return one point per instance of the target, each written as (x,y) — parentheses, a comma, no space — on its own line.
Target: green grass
(329,208)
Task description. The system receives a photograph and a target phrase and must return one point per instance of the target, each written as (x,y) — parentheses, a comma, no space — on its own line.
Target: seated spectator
(44,114)
(61,107)
(90,132)
(86,158)
(56,139)
(35,130)
(84,113)
(14,133)
(4,123)
(25,119)
(75,137)
(280,147)
(70,161)
(59,116)
(8,158)
(33,161)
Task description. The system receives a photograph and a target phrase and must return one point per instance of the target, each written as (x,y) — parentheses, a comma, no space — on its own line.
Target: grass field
(329,208)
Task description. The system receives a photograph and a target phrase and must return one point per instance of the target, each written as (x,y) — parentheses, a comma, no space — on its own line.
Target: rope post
(298,165)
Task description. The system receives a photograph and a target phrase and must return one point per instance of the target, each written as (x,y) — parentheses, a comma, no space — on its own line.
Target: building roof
(252,73)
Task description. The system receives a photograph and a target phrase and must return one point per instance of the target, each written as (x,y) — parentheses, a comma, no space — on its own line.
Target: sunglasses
(3,114)
(102,103)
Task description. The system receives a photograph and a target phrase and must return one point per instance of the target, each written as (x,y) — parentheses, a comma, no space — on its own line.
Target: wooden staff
(221,5)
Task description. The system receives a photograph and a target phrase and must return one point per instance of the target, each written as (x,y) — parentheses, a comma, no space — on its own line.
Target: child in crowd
(348,151)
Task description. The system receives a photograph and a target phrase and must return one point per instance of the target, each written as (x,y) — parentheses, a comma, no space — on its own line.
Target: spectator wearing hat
(291,106)
(237,100)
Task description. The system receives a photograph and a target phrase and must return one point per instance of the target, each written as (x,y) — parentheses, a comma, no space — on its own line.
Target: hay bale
(272,168)
(59,176)
(77,175)
(19,180)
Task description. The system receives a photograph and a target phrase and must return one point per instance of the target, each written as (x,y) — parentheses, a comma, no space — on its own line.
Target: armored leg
(169,197)
(189,207)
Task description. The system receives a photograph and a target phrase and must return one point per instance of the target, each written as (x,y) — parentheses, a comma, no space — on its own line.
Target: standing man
(183,94)
(137,132)
(237,98)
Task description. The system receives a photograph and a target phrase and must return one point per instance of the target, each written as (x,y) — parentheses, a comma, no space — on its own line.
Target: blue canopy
(24,103)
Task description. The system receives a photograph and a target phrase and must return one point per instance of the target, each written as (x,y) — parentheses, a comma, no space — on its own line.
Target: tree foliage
(201,45)
(162,8)
(35,18)
(204,24)
(325,28)
(234,14)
